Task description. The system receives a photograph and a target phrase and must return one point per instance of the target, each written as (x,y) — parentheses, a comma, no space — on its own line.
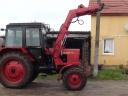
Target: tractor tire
(35,73)
(74,79)
(16,70)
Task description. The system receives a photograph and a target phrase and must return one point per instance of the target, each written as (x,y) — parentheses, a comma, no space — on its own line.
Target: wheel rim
(74,80)
(13,71)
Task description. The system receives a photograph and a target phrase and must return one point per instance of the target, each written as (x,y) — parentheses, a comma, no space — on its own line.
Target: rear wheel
(35,73)
(74,79)
(16,70)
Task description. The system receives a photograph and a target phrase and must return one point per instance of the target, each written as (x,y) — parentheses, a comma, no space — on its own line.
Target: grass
(104,74)
(111,74)
(48,77)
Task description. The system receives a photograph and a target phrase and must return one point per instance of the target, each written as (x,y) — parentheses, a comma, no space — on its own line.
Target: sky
(51,12)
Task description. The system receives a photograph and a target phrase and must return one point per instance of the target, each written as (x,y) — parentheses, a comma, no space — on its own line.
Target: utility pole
(96,52)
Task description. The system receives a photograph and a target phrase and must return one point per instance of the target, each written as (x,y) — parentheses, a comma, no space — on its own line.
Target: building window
(108,46)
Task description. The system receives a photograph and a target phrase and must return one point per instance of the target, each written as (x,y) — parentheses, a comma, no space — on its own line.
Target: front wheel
(74,79)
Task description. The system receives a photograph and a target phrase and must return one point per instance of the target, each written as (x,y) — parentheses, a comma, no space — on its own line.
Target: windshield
(14,37)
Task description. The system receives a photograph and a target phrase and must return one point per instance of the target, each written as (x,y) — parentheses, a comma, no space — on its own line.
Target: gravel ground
(55,88)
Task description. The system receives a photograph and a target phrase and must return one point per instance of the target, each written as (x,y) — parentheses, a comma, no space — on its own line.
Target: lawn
(104,74)
(112,74)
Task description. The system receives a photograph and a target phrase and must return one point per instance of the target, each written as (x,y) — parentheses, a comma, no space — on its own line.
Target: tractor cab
(25,35)
(31,36)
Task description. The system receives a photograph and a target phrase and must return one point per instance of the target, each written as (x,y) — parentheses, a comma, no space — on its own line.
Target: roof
(114,7)
(72,34)
(35,24)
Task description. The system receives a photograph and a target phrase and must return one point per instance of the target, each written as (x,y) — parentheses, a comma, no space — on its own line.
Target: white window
(108,47)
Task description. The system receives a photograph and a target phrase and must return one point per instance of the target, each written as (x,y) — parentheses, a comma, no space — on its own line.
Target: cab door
(33,42)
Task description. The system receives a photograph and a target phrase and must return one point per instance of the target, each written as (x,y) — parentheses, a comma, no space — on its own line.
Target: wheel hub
(14,71)
(74,80)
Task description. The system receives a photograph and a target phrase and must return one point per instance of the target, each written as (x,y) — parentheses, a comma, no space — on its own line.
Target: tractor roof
(26,24)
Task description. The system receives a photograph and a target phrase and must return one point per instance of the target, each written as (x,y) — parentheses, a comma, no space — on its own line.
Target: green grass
(111,74)
(48,77)
(105,74)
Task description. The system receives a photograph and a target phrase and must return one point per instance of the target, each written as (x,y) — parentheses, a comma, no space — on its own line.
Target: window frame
(113,46)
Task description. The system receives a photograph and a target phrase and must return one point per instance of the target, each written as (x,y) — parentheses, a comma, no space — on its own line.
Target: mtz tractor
(25,53)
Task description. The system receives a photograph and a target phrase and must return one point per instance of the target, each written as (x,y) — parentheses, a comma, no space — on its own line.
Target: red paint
(26,52)
(4,50)
(66,66)
(63,32)
(74,80)
(14,71)
(73,55)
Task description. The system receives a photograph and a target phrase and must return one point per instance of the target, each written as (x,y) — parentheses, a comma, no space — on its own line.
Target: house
(113,44)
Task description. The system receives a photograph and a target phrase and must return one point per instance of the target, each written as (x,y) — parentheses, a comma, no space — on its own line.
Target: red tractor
(25,53)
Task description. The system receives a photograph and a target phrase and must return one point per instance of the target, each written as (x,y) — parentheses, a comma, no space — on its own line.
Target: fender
(26,52)
(59,77)
(87,70)
(22,50)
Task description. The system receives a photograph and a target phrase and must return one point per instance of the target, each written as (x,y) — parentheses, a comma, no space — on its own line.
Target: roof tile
(113,7)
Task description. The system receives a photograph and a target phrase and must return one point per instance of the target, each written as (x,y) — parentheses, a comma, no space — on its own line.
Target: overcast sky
(52,12)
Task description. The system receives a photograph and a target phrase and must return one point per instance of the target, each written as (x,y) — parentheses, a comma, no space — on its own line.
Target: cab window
(32,37)
(14,37)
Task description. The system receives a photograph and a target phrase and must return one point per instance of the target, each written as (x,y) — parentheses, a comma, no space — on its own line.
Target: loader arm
(63,32)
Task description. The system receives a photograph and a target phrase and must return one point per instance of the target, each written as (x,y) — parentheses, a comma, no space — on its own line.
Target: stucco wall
(111,27)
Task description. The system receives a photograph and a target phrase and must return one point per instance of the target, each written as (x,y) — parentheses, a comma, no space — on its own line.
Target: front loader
(25,53)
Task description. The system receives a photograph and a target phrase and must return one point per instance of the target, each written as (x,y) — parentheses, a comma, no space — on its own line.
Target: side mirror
(47,27)
(2,29)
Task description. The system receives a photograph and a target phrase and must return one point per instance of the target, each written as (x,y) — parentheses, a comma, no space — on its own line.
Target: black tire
(35,73)
(16,70)
(74,83)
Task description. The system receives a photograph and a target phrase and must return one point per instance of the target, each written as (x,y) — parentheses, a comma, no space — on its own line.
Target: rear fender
(21,50)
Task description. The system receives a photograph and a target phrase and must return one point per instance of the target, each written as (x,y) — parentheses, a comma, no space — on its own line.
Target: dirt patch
(55,88)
